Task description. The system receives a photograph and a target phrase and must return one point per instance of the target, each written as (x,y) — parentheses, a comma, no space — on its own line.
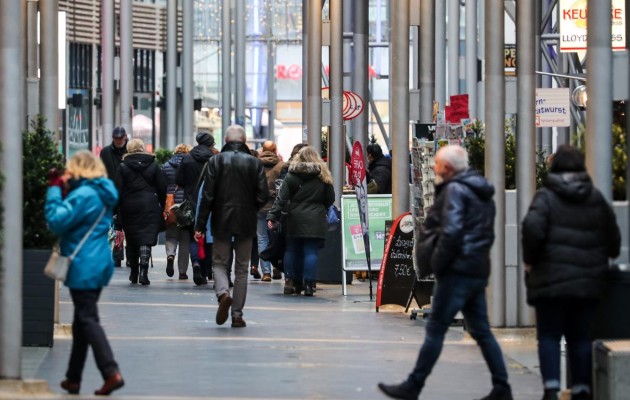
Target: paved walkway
(326,347)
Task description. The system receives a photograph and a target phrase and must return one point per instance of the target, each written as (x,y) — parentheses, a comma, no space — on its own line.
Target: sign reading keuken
(573,25)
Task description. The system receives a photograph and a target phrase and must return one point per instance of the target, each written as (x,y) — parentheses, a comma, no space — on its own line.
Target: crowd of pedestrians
(240,196)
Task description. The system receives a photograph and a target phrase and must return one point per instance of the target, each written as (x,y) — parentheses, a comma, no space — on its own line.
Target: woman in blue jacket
(72,217)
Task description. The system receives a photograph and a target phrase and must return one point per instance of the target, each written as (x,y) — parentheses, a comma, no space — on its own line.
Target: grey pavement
(327,347)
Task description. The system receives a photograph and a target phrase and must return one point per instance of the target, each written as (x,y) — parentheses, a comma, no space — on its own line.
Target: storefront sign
(553,108)
(509,65)
(573,25)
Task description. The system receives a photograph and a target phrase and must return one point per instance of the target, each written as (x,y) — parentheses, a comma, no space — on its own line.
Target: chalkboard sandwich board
(397,275)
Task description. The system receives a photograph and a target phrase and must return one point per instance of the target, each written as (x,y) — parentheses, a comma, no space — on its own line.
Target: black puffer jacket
(234,189)
(381,171)
(463,214)
(306,198)
(170,170)
(112,157)
(142,188)
(568,235)
(190,169)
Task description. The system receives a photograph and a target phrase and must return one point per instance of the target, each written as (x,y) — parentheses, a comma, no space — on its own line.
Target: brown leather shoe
(225,302)
(253,271)
(238,322)
(115,381)
(70,387)
(266,278)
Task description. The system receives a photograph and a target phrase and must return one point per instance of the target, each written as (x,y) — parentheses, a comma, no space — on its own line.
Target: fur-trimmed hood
(309,169)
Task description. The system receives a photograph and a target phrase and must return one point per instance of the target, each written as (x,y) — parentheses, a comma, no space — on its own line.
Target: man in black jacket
(463,214)
(235,188)
(379,168)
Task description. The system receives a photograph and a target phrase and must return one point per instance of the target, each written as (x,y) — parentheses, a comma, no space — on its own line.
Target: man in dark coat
(187,177)
(235,188)
(112,155)
(380,168)
(463,214)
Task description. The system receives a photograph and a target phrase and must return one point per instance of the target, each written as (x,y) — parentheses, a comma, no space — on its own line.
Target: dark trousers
(451,294)
(573,319)
(87,331)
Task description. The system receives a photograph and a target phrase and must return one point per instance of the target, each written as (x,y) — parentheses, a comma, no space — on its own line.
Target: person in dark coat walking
(112,155)
(463,215)
(187,177)
(176,236)
(235,188)
(142,188)
(569,235)
(379,168)
(306,193)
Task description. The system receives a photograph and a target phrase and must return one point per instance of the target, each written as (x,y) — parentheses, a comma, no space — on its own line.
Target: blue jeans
(451,294)
(300,258)
(263,241)
(572,318)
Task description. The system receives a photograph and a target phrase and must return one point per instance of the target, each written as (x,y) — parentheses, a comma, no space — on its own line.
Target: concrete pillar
(360,80)
(107,68)
(495,151)
(427,59)
(599,75)
(188,91)
(126,64)
(11,107)
(440,52)
(399,105)
(239,62)
(48,64)
(471,56)
(226,62)
(453,47)
(314,78)
(32,61)
(336,140)
(171,74)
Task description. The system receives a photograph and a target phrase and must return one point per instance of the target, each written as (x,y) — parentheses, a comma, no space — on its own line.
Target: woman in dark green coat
(305,194)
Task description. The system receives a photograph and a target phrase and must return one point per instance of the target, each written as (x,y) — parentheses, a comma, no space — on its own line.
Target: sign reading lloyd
(573,25)
(553,108)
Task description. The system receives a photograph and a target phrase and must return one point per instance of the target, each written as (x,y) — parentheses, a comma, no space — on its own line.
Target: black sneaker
(403,391)
(170,271)
(499,393)
(183,277)
(276,274)
(197,278)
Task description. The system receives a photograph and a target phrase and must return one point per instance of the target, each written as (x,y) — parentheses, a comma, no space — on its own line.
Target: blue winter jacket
(72,217)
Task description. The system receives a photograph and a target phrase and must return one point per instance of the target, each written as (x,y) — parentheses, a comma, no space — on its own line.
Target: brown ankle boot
(115,381)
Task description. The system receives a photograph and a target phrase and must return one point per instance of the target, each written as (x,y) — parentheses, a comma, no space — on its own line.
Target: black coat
(170,170)
(112,157)
(235,188)
(142,188)
(190,169)
(463,215)
(306,198)
(381,171)
(568,235)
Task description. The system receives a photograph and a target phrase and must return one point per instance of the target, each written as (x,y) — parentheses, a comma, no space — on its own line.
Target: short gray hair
(454,155)
(235,133)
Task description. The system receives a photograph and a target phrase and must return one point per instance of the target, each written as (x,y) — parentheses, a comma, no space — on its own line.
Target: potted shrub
(40,154)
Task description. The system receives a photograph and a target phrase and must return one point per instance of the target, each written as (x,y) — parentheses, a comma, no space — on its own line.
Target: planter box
(38,300)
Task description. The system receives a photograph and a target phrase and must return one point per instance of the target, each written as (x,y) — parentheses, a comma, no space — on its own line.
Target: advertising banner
(553,108)
(573,25)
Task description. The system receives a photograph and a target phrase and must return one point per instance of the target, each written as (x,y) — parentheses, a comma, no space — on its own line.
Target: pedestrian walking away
(305,194)
(142,188)
(463,215)
(569,235)
(85,212)
(235,188)
(176,237)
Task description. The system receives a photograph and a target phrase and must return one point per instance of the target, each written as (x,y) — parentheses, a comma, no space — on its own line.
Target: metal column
(336,148)
(48,64)
(171,74)
(107,66)
(360,80)
(126,64)
(598,138)
(399,105)
(427,57)
(547,81)
(239,62)
(471,56)
(305,69)
(453,47)
(187,73)
(226,77)
(32,65)
(314,90)
(440,52)
(11,104)
(525,137)
(495,151)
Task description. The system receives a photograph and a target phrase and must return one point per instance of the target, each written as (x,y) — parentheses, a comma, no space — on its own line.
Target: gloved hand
(54,178)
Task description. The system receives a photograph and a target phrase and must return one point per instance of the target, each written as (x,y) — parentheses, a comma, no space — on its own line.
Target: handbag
(57,266)
(184,213)
(332,217)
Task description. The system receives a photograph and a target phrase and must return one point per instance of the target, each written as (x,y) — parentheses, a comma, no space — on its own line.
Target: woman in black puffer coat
(569,234)
(142,189)
(306,193)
